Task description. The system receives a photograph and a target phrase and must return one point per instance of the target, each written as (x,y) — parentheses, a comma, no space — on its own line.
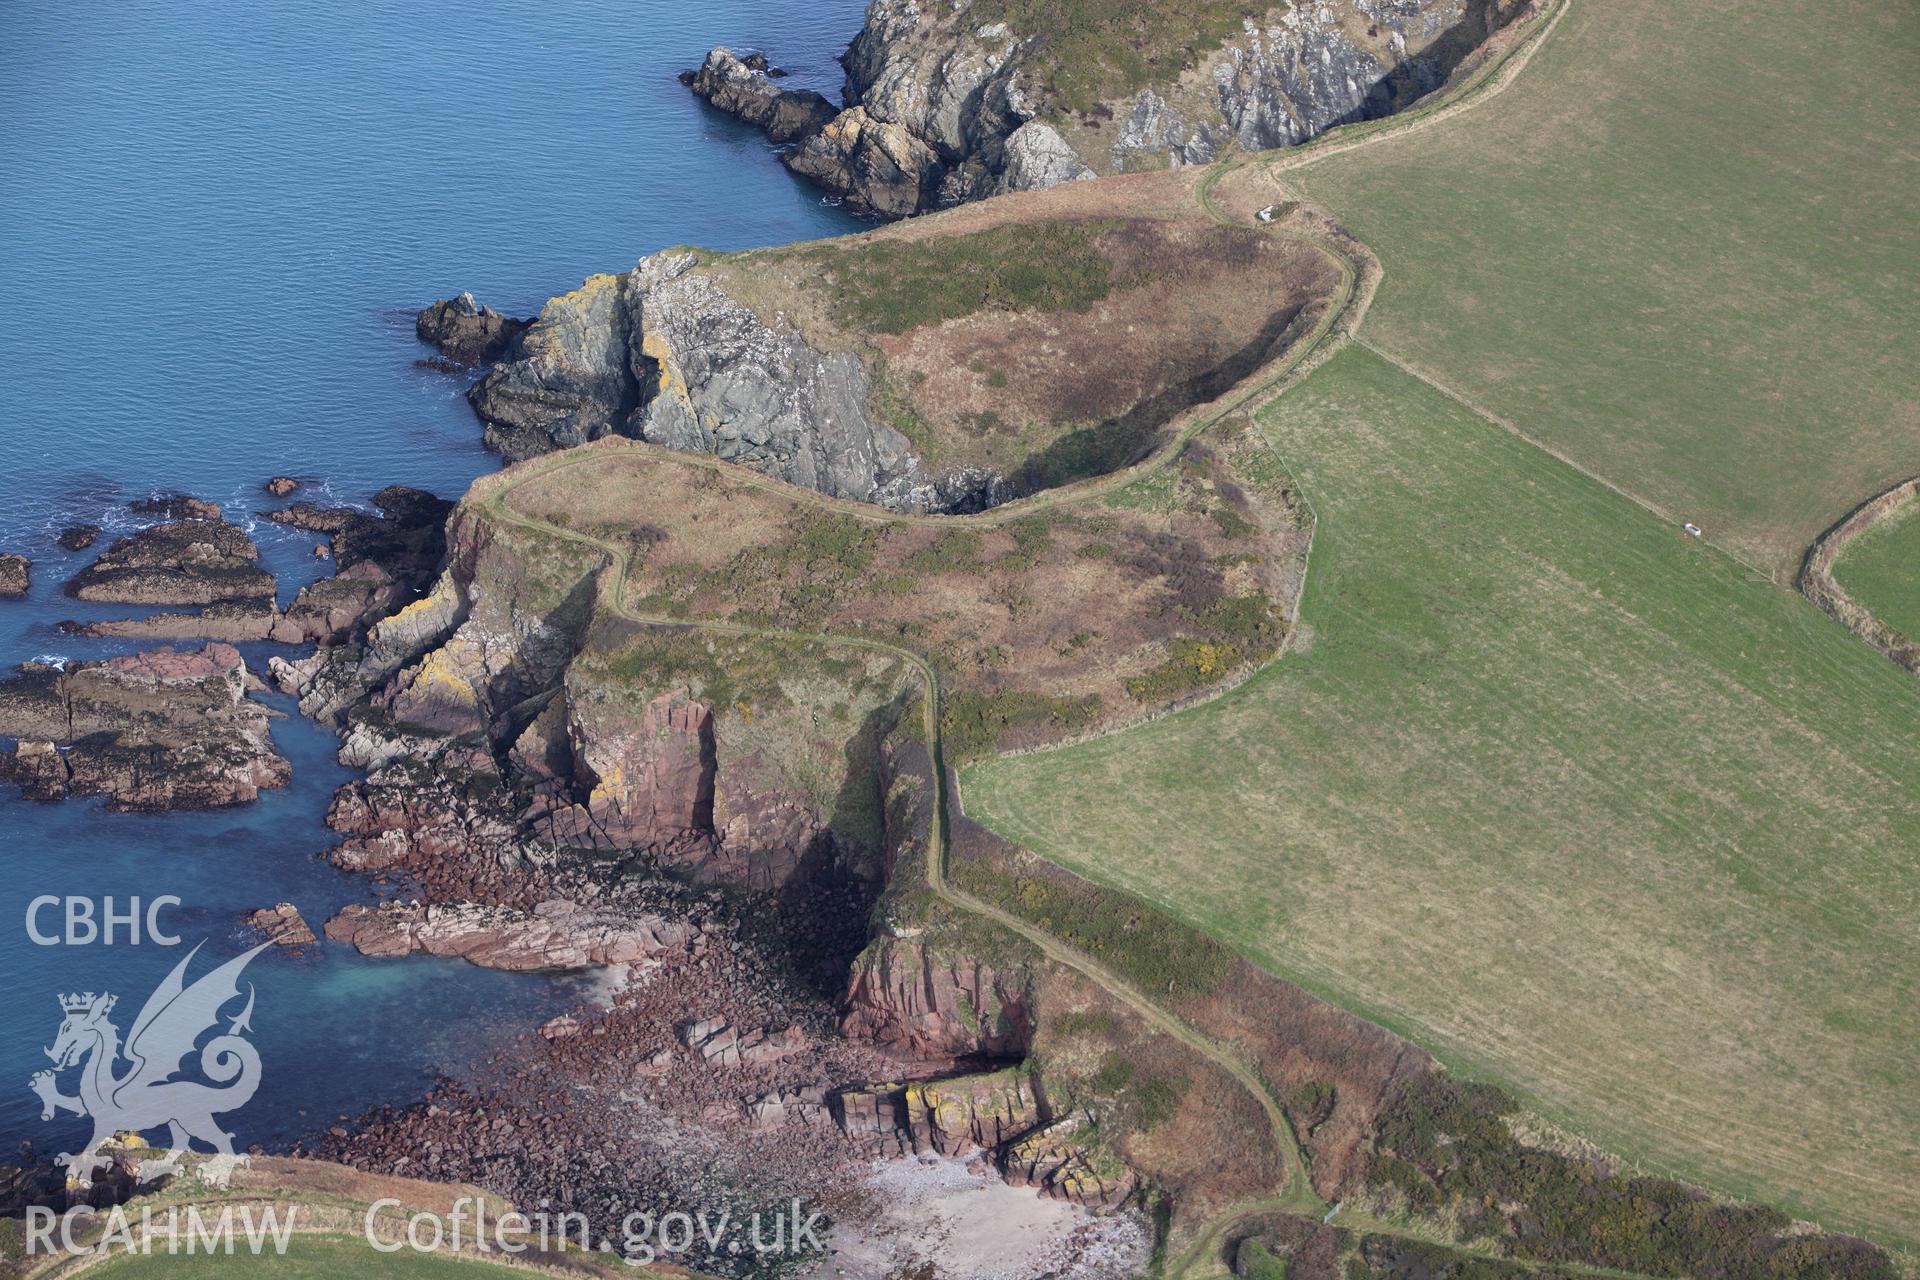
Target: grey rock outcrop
(876,165)
(1036,157)
(942,109)
(665,354)
(1299,71)
(570,380)
(719,381)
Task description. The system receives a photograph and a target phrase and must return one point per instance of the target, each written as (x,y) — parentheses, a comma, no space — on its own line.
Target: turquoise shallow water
(216,219)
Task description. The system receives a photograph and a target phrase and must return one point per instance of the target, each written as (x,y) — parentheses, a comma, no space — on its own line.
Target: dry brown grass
(1039,624)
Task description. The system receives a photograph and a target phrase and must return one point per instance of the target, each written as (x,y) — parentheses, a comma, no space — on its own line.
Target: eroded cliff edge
(942,365)
(663,353)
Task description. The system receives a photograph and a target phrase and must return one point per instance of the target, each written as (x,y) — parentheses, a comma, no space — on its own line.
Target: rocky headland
(941,366)
(945,104)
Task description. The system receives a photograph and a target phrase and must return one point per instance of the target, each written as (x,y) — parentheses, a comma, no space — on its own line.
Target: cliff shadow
(1121,441)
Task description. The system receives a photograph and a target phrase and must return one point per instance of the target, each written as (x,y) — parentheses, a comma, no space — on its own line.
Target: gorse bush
(971,724)
(1445,1146)
(1155,952)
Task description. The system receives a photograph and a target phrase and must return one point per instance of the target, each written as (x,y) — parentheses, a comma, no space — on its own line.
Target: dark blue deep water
(216,218)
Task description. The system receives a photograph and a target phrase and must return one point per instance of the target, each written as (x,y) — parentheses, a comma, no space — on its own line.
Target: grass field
(1679,249)
(1559,792)
(1881,570)
(315,1257)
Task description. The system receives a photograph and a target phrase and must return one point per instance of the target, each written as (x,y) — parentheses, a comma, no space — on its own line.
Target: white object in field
(1693,529)
(1266,214)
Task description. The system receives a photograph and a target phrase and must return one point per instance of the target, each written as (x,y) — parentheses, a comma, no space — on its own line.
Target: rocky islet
(153,731)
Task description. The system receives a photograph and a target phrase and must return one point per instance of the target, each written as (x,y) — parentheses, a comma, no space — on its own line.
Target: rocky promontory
(149,731)
(745,87)
(667,354)
(950,103)
(936,367)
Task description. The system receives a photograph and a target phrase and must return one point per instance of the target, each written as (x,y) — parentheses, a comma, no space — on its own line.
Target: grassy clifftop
(1049,625)
(1050,338)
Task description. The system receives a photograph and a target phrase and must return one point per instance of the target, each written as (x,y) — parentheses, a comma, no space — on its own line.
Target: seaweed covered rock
(190,561)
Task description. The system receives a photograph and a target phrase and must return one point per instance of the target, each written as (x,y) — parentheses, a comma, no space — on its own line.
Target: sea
(217,218)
